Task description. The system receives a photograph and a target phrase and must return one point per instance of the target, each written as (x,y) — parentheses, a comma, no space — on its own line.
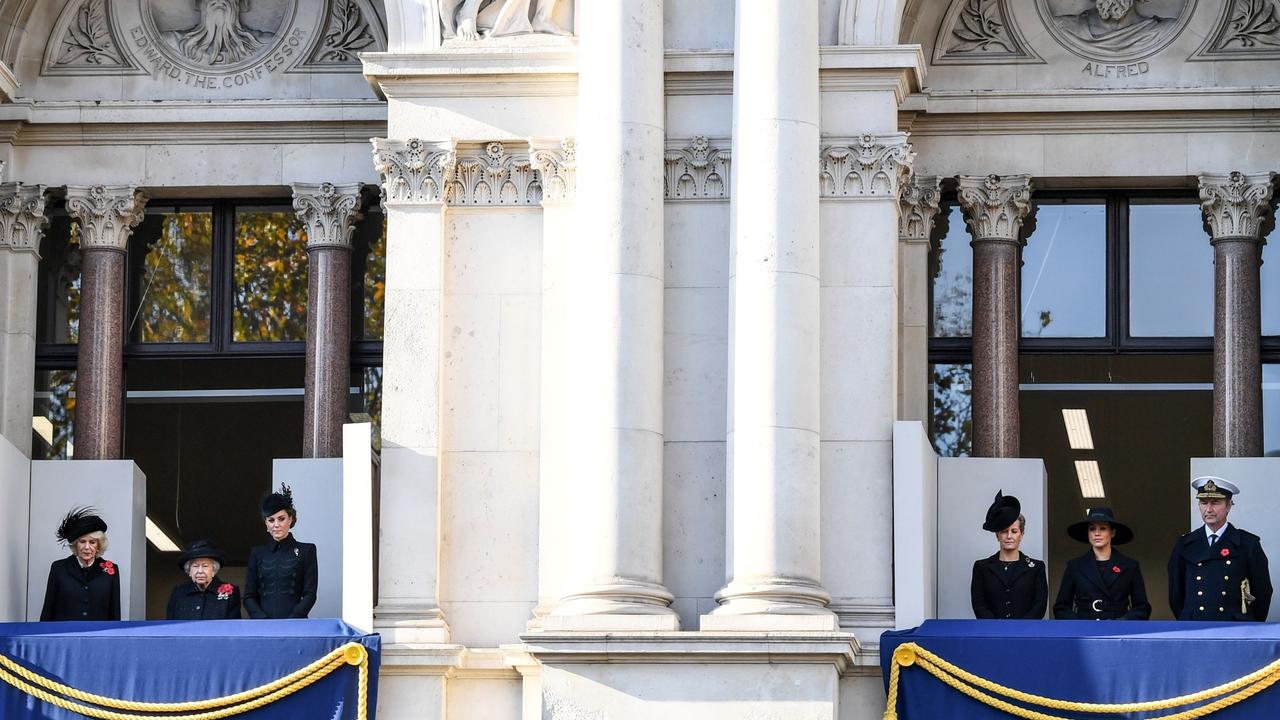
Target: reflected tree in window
(171,270)
(270,274)
(951,414)
(53,424)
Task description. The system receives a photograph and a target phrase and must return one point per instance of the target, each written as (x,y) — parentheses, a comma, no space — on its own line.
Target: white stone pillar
(615,343)
(774,507)
(919,207)
(415,175)
(22,224)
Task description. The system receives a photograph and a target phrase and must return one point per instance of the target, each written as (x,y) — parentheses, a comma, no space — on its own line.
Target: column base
(771,605)
(410,623)
(619,606)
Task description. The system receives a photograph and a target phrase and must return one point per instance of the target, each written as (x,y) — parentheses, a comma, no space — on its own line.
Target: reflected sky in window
(1170,272)
(1271,410)
(953,286)
(1064,273)
(1271,287)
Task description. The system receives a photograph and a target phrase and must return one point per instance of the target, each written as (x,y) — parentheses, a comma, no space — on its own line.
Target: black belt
(1100,605)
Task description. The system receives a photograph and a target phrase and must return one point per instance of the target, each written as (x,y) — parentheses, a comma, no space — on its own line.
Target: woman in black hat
(1008,585)
(206,596)
(282,576)
(1103,584)
(83,586)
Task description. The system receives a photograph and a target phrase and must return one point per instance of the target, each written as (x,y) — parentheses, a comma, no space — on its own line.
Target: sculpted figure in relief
(220,37)
(474,19)
(1113,25)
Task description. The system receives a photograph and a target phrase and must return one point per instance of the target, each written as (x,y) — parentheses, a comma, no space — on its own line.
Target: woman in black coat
(206,596)
(1008,585)
(283,574)
(1103,584)
(83,586)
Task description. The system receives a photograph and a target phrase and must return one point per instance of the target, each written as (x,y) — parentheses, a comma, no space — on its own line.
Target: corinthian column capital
(22,220)
(328,211)
(1236,205)
(557,163)
(995,206)
(107,214)
(868,166)
(414,171)
(920,201)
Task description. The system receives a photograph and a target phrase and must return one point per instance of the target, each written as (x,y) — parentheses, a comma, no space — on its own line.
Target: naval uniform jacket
(1016,590)
(76,593)
(1114,591)
(281,579)
(188,602)
(1204,582)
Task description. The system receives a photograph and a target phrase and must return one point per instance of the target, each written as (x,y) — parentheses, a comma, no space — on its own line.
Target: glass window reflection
(1170,272)
(1271,410)
(270,276)
(368,275)
(952,267)
(1271,287)
(53,415)
(58,286)
(170,276)
(951,408)
(1064,273)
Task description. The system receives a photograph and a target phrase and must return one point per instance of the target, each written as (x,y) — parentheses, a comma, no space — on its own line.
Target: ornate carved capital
(107,214)
(697,170)
(22,220)
(558,166)
(995,206)
(870,166)
(414,172)
(328,211)
(919,205)
(1236,205)
(489,175)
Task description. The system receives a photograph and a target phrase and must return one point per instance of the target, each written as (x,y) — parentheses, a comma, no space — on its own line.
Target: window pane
(1271,410)
(952,314)
(53,415)
(951,412)
(170,276)
(1170,272)
(270,276)
(369,400)
(58,302)
(368,275)
(1271,287)
(1064,273)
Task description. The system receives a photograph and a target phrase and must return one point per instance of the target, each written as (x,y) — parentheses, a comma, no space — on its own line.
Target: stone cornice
(692,648)
(920,202)
(995,206)
(414,172)
(328,211)
(697,169)
(1236,205)
(866,167)
(107,214)
(22,220)
(557,164)
(491,175)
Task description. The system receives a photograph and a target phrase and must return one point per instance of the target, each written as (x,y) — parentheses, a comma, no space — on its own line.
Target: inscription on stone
(161,66)
(1103,70)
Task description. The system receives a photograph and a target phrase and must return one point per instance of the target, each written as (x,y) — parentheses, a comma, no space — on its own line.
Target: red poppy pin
(225,590)
(108,567)
(1115,569)
(1224,552)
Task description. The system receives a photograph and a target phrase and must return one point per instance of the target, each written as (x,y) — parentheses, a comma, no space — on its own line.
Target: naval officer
(1218,571)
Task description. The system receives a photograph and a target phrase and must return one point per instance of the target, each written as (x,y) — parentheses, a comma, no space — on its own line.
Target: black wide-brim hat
(1004,511)
(1080,530)
(80,522)
(200,549)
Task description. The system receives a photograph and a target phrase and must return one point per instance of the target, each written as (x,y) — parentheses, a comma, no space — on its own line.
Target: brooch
(108,567)
(1031,563)
(1115,569)
(296,553)
(1225,552)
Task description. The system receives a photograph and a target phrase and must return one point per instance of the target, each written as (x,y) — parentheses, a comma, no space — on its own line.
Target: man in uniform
(1218,571)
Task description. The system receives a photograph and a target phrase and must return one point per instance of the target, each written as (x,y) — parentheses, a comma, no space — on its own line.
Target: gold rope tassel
(971,685)
(52,692)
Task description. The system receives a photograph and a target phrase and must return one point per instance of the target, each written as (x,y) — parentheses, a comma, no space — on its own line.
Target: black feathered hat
(277,501)
(1080,530)
(80,522)
(1004,511)
(200,549)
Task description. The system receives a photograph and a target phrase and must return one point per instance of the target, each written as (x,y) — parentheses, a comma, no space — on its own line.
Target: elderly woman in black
(282,576)
(83,586)
(1008,585)
(1103,584)
(206,596)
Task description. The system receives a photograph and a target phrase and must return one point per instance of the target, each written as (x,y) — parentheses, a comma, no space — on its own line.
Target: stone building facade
(663,282)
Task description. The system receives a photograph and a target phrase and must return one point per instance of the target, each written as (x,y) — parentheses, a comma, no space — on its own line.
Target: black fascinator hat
(1003,512)
(277,501)
(80,522)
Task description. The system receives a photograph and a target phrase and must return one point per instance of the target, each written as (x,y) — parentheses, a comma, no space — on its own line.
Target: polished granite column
(22,224)
(994,209)
(919,203)
(1236,206)
(107,215)
(329,212)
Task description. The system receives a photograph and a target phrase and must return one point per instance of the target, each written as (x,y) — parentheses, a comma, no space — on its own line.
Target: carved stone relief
(557,165)
(1236,204)
(22,219)
(1113,31)
(1247,30)
(347,32)
(328,211)
(107,214)
(696,170)
(870,166)
(493,176)
(472,20)
(413,171)
(920,202)
(86,42)
(488,174)
(995,206)
(978,32)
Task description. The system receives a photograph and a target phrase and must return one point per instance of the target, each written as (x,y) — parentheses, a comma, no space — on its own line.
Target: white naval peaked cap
(1214,483)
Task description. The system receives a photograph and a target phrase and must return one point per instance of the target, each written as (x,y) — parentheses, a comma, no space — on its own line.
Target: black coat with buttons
(281,580)
(1114,591)
(1016,591)
(218,601)
(76,593)
(1204,582)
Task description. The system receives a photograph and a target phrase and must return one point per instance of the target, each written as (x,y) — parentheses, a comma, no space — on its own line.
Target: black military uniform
(81,593)
(1093,589)
(1228,581)
(219,600)
(1016,589)
(282,576)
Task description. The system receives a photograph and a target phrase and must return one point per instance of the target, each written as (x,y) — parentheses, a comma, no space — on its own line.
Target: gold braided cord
(348,654)
(912,654)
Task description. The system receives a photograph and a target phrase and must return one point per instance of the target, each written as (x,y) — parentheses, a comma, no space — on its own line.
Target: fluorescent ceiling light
(1090,478)
(43,427)
(1078,434)
(159,539)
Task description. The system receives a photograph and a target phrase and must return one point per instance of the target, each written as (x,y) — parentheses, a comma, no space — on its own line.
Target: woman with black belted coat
(1103,584)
